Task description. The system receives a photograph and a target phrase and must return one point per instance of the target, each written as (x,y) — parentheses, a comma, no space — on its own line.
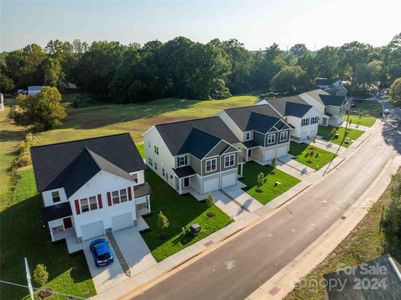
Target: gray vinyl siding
(221,147)
(275,139)
(231,149)
(204,173)
(259,138)
(278,137)
(196,164)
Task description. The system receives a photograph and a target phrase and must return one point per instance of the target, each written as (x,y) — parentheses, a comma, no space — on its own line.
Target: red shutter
(129,194)
(109,198)
(99,201)
(77,207)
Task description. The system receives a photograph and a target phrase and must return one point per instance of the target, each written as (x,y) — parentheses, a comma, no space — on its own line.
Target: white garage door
(228,180)
(282,152)
(268,155)
(210,185)
(92,230)
(121,221)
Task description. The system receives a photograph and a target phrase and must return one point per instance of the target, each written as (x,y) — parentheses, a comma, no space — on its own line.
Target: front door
(186,182)
(249,153)
(67,223)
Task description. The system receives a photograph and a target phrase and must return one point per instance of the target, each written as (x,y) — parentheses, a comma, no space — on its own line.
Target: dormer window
(134,177)
(182,161)
(248,136)
(56,197)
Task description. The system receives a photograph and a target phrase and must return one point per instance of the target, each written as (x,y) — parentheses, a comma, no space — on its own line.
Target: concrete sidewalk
(284,281)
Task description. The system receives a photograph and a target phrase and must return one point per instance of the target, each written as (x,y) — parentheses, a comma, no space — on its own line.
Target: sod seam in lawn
(311,156)
(182,211)
(269,189)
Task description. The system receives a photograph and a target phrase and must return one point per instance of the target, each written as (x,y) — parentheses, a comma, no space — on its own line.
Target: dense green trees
(42,111)
(395,91)
(183,68)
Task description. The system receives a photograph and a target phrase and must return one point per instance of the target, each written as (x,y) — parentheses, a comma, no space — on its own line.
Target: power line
(39,289)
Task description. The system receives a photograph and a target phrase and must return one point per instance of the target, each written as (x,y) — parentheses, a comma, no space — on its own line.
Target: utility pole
(29,279)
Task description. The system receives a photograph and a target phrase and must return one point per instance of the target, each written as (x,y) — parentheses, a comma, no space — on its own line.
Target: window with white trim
(115,197)
(156,149)
(211,165)
(247,136)
(134,177)
(150,161)
(271,139)
(123,195)
(229,160)
(182,160)
(314,120)
(92,203)
(283,136)
(84,204)
(56,197)
(155,165)
(305,122)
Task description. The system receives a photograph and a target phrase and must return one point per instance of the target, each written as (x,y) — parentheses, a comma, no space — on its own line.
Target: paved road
(236,269)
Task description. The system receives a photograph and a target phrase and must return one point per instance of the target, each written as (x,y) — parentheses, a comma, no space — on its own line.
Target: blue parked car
(101,252)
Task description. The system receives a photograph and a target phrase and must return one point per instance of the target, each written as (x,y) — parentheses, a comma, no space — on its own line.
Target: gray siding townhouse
(196,156)
(262,131)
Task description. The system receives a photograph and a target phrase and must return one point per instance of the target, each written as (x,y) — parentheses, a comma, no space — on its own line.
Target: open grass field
(367,108)
(182,211)
(353,134)
(20,212)
(269,189)
(366,242)
(363,121)
(22,234)
(311,156)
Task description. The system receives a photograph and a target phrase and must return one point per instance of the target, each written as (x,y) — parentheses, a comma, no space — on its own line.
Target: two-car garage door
(95,229)
(213,184)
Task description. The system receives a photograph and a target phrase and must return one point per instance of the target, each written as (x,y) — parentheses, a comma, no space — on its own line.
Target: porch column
(242,169)
(180,185)
(148,203)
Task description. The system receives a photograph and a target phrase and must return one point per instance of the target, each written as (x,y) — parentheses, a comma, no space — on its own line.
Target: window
(150,161)
(271,139)
(84,205)
(155,165)
(314,120)
(283,136)
(56,197)
(115,197)
(149,144)
(134,177)
(211,165)
(229,160)
(163,172)
(182,160)
(247,136)
(156,150)
(123,195)
(171,176)
(304,122)
(92,203)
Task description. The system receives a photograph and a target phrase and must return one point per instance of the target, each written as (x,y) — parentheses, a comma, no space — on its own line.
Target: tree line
(182,68)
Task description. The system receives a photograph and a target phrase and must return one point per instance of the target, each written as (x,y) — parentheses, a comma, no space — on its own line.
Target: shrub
(209,200)
(259,181)
(163,223)
(40,274)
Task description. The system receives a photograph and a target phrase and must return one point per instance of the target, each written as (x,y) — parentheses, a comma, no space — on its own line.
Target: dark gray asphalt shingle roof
(290,106)
(57,211)
(184,171)
(325,98)
(197,136)
(258,117)
(72,164)
(391,290)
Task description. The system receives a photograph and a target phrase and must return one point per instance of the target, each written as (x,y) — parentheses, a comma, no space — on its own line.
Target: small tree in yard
(40,274)
(333,132)
(273,164)
(260,181)
(210,203)
(163,224)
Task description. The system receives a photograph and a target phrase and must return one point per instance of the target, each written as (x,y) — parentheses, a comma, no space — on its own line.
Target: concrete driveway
(242,198)
(229,207)
(103,277)
(134,249)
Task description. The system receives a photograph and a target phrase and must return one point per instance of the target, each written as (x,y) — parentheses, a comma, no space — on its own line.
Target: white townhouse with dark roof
(331,108)
(263,133)
(303,118)
(91,185)
(195,156)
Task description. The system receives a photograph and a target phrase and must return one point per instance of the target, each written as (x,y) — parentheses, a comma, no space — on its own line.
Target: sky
(255,23)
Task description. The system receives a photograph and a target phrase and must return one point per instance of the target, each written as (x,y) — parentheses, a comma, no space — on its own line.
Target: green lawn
(353,134)
(182,211)
(311,156)
(367,108)
(141,149)
(23,235)
(269,190)
(363,121)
